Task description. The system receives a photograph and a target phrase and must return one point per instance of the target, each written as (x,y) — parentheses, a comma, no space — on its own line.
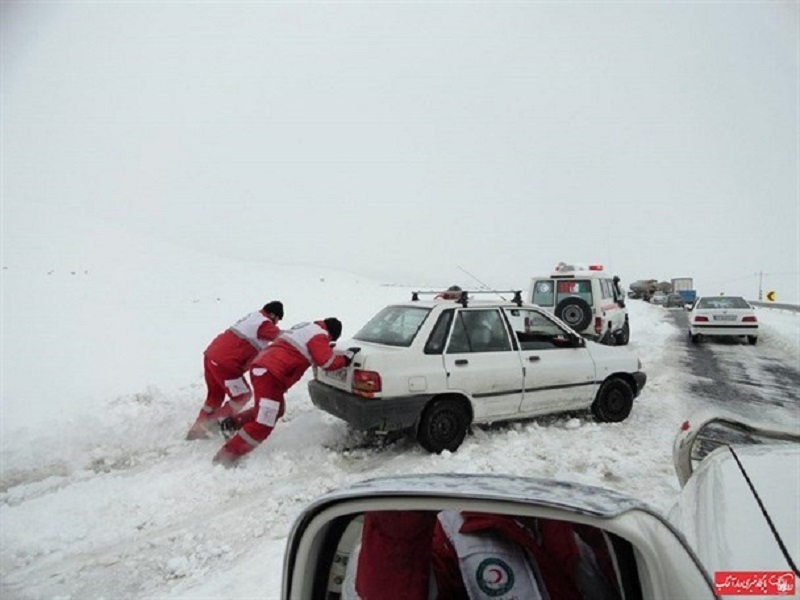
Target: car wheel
(695,338)
(614,401)
(624,335)
(575,312)
(753,339)
(443,425)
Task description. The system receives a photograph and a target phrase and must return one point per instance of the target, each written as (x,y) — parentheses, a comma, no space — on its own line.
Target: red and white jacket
(242,341)
(480,556)
(296,349)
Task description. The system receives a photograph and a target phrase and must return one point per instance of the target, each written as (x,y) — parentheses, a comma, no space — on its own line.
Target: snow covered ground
(101,497)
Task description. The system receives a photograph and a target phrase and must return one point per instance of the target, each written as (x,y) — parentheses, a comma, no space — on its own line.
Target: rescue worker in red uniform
(225,362)
(419,555)
(276,369)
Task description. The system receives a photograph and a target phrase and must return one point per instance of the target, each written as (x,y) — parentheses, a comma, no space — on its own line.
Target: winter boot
(203,428)
(247,439)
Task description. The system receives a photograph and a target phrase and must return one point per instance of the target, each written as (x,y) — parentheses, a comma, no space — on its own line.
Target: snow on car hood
(775,474)
(722,518)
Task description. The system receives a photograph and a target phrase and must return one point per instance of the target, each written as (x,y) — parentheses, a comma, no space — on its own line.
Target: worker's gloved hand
(228,427)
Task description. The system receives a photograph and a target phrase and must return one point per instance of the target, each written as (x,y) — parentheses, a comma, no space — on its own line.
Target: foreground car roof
(544,492)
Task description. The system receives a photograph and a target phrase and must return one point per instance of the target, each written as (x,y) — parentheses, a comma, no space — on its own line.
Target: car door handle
(461,362)
(534,358)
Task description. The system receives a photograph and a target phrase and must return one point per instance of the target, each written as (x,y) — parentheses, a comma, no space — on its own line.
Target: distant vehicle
(675,300)
(736,518)
(659,298)
(587,299)
(685,287)
(642,289)
(433,368)
(727,316)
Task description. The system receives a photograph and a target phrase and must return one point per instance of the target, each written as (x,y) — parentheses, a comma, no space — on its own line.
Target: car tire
(614,401)
(752,339)
(624,335)
(575,312)
(695,337)
(443,425)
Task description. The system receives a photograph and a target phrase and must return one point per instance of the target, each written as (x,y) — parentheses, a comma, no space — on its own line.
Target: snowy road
(118,505)
(741,378)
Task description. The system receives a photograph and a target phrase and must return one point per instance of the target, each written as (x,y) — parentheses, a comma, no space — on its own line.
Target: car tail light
(598,325)
(366,383)
(685,426)
(700,319)
(749,319)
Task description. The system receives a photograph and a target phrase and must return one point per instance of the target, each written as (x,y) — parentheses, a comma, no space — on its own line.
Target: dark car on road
(675,300)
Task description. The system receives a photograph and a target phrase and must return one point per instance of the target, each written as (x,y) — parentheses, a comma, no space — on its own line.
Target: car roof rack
(464,295)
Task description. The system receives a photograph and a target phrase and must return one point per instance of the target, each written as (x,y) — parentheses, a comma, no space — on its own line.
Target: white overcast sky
(406,140)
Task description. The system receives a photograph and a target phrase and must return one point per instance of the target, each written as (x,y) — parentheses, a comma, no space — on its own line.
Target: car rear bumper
(640,377)
(367,414)
(727,330)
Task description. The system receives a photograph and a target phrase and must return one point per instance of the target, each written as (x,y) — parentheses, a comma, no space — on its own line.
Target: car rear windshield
(394,326)
(549,292)
(723,302)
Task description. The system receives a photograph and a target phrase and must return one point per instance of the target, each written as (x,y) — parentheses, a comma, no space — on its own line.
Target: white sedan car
(435,368)
(723,316)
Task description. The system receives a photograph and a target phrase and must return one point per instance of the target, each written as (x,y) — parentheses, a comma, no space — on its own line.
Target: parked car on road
(675,300)
(727,316)
(734,527)
(434,368)
(587,299)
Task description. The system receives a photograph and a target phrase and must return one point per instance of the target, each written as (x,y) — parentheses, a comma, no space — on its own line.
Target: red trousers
(221,380)
(258,421)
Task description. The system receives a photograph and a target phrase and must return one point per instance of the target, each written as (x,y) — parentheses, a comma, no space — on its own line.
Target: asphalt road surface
(755,381)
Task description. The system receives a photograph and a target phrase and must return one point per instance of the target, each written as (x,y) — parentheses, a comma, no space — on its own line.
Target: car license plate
(724,317)
(339,375)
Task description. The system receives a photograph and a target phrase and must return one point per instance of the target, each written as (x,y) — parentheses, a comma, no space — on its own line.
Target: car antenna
(485,287)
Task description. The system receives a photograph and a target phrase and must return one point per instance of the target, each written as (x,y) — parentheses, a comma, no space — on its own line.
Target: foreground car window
(454,552)
(394,326)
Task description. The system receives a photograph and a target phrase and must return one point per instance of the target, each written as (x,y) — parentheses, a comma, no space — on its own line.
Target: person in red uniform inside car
(422,555)
(225,362)
(276,369)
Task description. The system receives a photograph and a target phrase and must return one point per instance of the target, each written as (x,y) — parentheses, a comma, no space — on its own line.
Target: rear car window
(543,293)
(438,336)
(394,326)
(574,287)
(723,302)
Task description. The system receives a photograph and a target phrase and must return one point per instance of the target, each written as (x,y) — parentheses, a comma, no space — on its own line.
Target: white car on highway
(434,368)
(727,316)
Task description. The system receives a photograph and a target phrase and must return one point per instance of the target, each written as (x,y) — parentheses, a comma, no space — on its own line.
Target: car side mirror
(704,432)
(577,341)
(409,533)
